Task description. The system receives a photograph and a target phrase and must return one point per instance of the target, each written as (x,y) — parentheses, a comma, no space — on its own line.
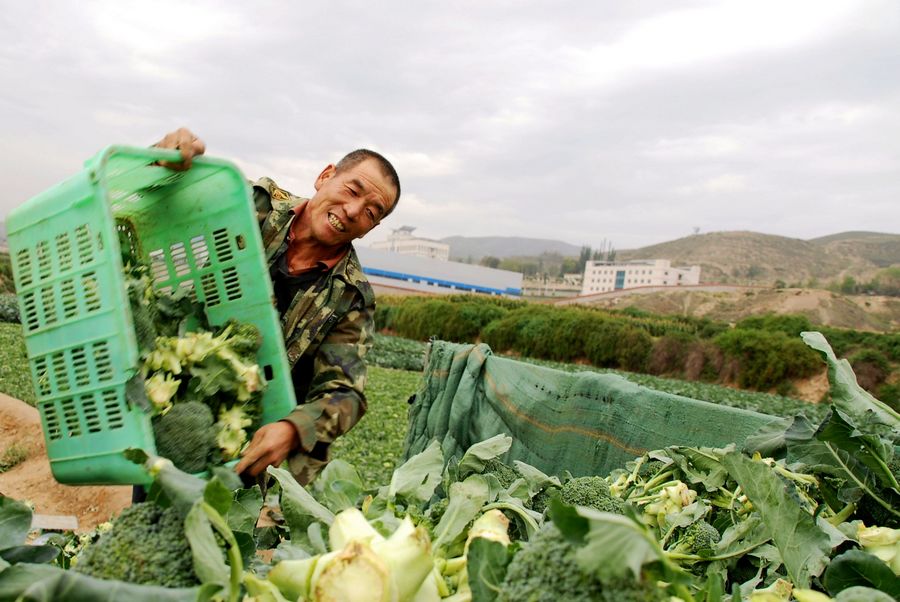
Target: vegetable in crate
(204,387)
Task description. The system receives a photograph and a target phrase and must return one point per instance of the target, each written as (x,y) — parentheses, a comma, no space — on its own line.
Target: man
(325,302)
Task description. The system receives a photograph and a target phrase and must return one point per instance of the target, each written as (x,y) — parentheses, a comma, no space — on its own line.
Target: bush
(871,369)
(669,354)
(890,394)
(767,358)
(601,342)
(9,309)
(790,324)
(704,361)
(633,349)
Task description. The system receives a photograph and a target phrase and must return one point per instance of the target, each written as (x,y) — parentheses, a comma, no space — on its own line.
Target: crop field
(15,379)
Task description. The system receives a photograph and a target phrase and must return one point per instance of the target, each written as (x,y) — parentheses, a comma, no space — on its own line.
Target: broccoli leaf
(244,512)
(487,562)
(612,545)
(15,522)
(299,507)
(474,458)
(32,554)
(838,449)
(339,486)
(466,500)
(803,545)
(855,567)
(417,478)
(47,583)
(209,564)
(845,391)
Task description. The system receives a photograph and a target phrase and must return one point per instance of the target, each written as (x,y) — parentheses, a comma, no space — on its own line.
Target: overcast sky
(633,122)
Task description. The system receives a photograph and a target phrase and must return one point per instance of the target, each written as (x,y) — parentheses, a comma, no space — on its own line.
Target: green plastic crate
(196,228)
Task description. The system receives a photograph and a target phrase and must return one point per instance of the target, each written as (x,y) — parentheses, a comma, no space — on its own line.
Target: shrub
(871,369)
(767,358)
(9,308)
(890,394)
(704,361)
(669,354)
(633,349)
(600,344)
(789,324)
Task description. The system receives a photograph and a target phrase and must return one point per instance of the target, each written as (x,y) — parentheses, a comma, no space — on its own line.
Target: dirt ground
(32,480)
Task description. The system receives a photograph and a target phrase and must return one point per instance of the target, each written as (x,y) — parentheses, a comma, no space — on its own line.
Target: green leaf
(15,522)
(859,593)
(856,567)
(845,391)
(803,545)
(212,375)
(244,512)
(871,450)
(339,486)
(475,457)
(613,545)
(209,563)
(47,583)
(486,562)
(32,554)
(839,450)
(701,465)
(536,479)
(217,495)
(465,502)
(417,478)
(299,507)
(769,440)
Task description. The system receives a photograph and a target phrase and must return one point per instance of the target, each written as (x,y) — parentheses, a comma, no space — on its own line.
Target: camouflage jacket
(327,332)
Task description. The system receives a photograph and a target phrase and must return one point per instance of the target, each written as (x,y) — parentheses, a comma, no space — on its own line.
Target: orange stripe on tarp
(578,430)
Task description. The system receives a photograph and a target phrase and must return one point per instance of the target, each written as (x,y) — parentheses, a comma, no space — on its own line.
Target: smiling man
(325,302)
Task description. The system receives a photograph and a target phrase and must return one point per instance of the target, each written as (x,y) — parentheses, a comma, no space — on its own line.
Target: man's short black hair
(356,157)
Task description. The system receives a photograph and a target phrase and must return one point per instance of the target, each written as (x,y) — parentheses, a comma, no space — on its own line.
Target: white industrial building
(407,274)
(402,241)
(603,276)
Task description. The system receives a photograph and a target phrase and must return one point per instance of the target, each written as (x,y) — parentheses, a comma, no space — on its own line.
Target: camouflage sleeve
(336,400)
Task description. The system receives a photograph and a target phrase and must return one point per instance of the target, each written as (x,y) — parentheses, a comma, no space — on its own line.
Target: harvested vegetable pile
(806,512)
(202,383)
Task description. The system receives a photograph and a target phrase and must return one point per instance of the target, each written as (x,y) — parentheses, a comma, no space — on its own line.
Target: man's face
(349,203)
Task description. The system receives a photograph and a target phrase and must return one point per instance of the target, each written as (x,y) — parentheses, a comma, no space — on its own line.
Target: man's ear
(326,174)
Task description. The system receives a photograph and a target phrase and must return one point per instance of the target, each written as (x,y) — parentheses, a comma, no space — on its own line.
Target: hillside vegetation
(857,312)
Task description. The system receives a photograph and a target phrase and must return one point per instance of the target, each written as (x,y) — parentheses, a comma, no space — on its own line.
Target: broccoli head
(541,499)
(592,492)
(146,545)
(243,337)
(507,475)
(545,570)
(695,538)
(186,435)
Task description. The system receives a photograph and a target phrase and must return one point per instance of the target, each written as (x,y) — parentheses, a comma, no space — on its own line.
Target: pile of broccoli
(146,545)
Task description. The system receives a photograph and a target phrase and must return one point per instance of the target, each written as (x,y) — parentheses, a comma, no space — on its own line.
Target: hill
(754,258)
(476,247)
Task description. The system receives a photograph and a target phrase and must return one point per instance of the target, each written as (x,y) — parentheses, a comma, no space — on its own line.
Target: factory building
(396,273)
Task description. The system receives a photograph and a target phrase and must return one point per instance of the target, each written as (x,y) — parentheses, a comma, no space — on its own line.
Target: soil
(20,425)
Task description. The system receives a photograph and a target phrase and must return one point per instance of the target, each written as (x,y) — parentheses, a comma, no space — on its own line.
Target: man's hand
(184,140)
(271,445)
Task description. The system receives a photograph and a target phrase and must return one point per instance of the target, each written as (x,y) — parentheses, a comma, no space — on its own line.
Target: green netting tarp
(584,422)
